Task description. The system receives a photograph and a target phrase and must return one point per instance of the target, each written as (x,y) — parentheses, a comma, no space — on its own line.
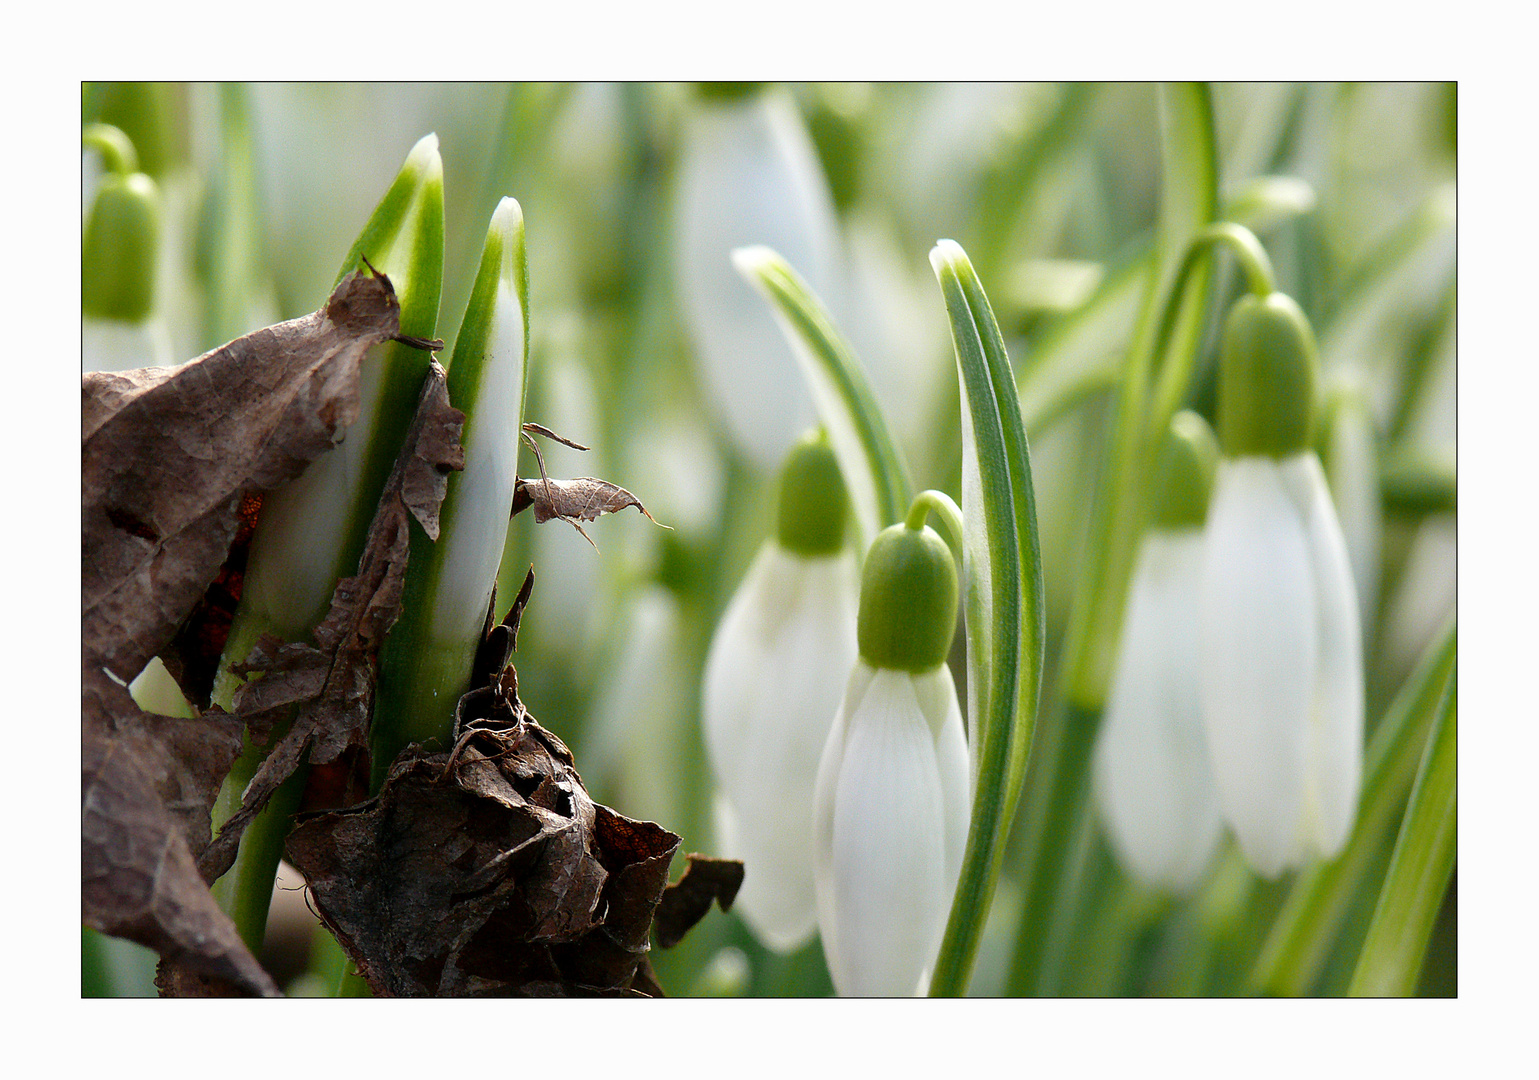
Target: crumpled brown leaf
(147,783)
(573,501)
(168,457)
(489,870)
(687,900)
(501,878)
(328,687)
(168,453)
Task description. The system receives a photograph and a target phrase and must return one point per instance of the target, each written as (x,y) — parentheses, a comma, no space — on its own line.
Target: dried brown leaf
(573,501)
(328,687)
(489,870)
(168,453)
(147,783)
(500,878)
(687,900)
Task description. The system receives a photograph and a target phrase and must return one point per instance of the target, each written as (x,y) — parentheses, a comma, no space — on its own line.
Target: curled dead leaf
(147,783)
(168,453)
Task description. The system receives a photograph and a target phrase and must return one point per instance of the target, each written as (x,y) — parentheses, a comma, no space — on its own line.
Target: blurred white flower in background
(1153,780)
(748,175)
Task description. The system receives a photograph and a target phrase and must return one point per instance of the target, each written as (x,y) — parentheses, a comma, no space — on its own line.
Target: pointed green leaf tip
(813,503)
(1268,368)
(908,600)
(1187,467)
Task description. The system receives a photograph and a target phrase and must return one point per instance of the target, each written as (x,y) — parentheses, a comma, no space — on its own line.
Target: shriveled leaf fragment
(328,687)
(489,870)
(687,900)
(501,878)
(581,499)
(168,453)
(147,783)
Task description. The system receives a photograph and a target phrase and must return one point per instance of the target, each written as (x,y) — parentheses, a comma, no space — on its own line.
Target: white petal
(780,659)
(882,895)
(937,694)
(1258,659)
(749,175)
(1336,721)
(1153,779)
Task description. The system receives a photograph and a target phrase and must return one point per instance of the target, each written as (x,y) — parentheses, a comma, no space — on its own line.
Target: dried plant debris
(573,501)
(328,687)
(687,900)
(147,783)
(167,454)
(172,461)
(489,870)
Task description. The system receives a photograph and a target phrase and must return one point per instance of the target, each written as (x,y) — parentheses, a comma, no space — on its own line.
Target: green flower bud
(1188,462)
(908,600)
(813,502)
(118,252)
(1266,381)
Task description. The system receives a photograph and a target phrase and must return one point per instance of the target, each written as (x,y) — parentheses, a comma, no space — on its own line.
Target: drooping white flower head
(1282,674)
(894,787)
(773,678)
(1153,779)
(749,175)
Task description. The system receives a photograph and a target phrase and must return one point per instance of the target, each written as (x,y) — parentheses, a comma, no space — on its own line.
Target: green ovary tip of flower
(1187,466)
(118,250)
(1268,369)
(908,600)
(813,501)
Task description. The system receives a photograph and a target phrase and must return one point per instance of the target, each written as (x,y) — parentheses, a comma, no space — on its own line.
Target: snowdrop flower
(1282,674)
(749,175)
(776,669)
(894,787)
(1153,782)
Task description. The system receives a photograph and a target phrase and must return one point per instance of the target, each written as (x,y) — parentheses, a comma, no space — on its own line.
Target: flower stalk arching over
(1282,678)
(773,678)
(894,788)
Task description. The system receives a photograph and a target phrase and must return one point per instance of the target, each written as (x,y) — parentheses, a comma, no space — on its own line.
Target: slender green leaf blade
(873,466)
(1419,869)
(1002,601)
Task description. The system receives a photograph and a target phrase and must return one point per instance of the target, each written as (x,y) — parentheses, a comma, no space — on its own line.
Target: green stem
(942,506)
(1420,868)
(1003,600)
(118,154)
(1189,201)
(1310,923)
